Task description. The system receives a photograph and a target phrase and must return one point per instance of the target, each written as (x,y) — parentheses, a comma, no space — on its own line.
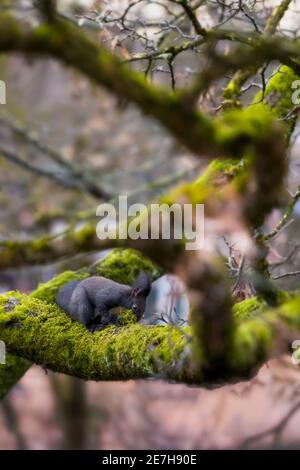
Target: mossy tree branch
(34,328)
(11,372)
(231,134)
(276,100)
(68,44)
(195,130)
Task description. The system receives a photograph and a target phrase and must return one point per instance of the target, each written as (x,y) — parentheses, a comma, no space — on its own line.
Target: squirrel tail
(64,294)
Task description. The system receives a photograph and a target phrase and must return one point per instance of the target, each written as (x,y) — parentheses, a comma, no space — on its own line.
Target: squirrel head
(139,292)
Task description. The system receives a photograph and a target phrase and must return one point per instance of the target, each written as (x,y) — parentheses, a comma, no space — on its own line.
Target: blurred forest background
(52,110)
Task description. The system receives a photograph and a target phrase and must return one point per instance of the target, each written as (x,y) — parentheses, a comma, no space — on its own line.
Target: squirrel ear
(142,285)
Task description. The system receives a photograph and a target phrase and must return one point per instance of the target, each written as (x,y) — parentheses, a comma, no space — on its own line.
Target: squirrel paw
(93,328)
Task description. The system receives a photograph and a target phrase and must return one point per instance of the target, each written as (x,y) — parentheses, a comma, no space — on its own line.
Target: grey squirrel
(90,300)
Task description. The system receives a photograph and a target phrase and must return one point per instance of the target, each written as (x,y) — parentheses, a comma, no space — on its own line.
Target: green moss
(47,336)
(47,291)
(231,90)
(251,344)
(38,329)
(44,334)
(206,186)
(125,265)
(249,308)
(11,372)
(290,312)
(256,329)
(46,35)
(126,317)
(119,265)
(239,127)
(8,299)
(84,235)
(278,93)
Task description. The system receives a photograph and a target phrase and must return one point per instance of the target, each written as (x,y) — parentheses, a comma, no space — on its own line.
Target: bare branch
(286,217)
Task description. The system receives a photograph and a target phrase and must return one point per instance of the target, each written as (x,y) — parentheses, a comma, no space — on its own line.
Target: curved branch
(228,135)
(277,99)
(46,249)
(196,131)
(70,45)
(34,328)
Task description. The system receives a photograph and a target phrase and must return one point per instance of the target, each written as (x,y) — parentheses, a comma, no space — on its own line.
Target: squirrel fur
(90,300)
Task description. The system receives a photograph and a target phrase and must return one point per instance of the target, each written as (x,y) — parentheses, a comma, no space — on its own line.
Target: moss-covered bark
(276,100)
(70,45)
(34,328)
(246,133)
(198,132)
(121,265)
(11,372)
(40,332)
(209,184)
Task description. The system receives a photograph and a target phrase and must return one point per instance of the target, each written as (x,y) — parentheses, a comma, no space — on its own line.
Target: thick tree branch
(11,372)
(196,131)
(67,43)
(277,100)
(46,249)
(34,328)
(232,133)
